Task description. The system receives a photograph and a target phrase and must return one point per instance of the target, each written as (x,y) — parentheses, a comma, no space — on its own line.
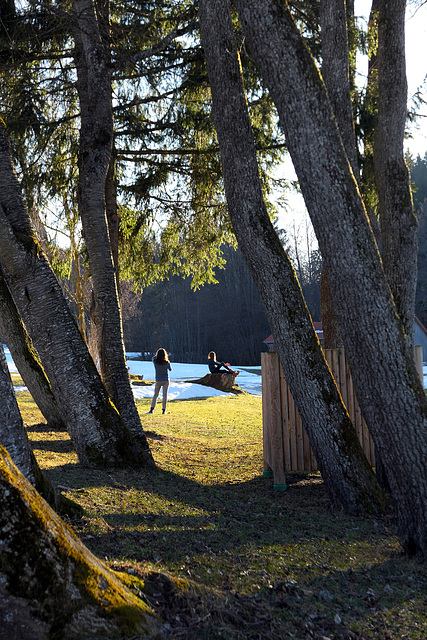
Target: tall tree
(12,433)
(396,213)
(13,437)
(26,359)
(388,387)
(95,155)
(336,75)
(348,478)
(98,432)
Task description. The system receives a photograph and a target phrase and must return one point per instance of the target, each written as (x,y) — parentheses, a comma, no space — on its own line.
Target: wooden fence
(285,443)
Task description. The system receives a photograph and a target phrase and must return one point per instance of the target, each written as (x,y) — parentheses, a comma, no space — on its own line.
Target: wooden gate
(285,442)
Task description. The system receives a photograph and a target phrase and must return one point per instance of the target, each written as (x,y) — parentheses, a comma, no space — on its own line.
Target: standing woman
(162,367)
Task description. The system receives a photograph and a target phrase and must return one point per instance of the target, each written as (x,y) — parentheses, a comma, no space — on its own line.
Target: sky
(416,65)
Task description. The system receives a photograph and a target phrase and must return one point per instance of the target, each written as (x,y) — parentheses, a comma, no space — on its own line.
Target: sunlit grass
(261,563)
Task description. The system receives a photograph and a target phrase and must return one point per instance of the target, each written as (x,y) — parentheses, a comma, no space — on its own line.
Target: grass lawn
(224,556)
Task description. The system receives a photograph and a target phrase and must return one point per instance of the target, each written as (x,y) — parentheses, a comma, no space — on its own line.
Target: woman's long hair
(212,355)
(161,356)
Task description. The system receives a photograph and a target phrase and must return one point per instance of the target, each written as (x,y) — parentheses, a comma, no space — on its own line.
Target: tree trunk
(113,217)
(399,227)
(368,117)
(51,586)
(96,138)
(389,390)
(98,433)
(26,359)
(332,334)
(12,433)
(348,478)
(13,437)
(222,381)
(335,72)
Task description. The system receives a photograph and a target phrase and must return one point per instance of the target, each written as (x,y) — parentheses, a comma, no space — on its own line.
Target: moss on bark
(45,569)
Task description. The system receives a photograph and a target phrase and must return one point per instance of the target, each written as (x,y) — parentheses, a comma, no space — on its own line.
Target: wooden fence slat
(285,421)
(266,404)
(285,442)
(275,455)
(300,439)
(292,432)
(342,383)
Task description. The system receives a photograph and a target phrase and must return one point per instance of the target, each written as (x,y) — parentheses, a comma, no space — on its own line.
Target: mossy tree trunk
(95,156)
(98,432)
(51,586)
(348,478)
(26,359)
(389,390)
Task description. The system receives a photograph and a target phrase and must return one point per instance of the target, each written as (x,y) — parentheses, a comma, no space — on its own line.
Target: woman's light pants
(160,385)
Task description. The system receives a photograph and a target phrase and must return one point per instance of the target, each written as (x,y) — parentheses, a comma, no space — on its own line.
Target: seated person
(219,367)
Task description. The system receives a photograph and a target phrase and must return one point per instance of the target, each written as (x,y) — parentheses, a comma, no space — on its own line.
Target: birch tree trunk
(26,359)
(95,150)
(388,387)
(98,432)
(51,586)
(348,478)
(399,226)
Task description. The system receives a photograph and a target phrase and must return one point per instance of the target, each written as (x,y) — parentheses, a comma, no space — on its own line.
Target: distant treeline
(418,169)
(227,317)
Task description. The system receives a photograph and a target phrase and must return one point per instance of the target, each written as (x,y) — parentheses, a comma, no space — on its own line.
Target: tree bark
(98,433)
(368,117)
(95,150)
(51,586)
(399,228)
(387,384)
(335,72)
(12,433)
(13,437)
(26,359)
(222,381)
(349,480)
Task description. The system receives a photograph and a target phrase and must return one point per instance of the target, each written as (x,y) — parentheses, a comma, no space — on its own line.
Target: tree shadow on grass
(161,514)
(288,547)
(43,427)
(55,446)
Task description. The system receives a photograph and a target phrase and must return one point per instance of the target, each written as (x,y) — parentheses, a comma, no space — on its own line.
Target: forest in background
(228,317)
